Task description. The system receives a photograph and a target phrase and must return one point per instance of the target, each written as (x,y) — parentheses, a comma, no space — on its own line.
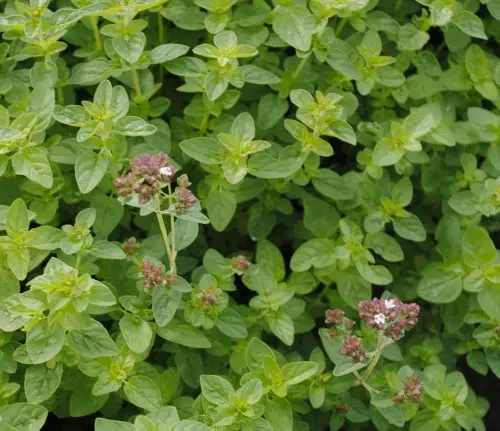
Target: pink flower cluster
(240,264)
(153,274)
(148,173)
(131,246)
(412,390)
(390,315)
(353,348)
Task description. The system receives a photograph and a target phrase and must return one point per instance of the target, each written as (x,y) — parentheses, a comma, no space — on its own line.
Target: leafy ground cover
(225,215)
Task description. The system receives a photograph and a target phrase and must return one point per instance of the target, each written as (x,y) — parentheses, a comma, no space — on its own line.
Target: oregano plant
(249,215)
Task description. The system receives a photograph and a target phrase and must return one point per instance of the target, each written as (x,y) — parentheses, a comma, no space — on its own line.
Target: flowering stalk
(164,234)
(375,359)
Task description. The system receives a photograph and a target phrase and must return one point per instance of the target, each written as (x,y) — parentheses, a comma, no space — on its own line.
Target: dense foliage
(248,215)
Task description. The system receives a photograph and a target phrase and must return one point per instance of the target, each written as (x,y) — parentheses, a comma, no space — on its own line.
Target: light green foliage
(187,186)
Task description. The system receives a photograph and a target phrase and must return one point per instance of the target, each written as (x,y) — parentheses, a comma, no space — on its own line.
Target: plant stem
(60,95)
(376,358)
(97,35)
(161,40)
(299,68)
(78,261)
(164,234)
(172,222)
(399,3)
(204,123)
(137,84)
(340,27)
(365,385)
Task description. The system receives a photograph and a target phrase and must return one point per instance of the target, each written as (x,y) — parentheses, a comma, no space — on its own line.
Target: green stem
(137,84)
(399,3)
(299,68)
(340,27)
(60,95)
(161,40)
(376,358)
(365,385)
(164,234)
(204,123)
(97,35)
(172,222)
(78,261)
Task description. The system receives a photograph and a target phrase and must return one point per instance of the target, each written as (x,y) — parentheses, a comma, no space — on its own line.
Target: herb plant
(249,215)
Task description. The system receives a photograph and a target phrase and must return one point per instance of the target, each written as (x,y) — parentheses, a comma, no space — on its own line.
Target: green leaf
(34,165)
(102,424)
(477,247)
(216,389)
(44,342)
(41,382)
(257,75)
(143,392)
(90,169)
(190,425)
(410,228)
(353,288)
(440,285)
(183,333)
(83,402)
(489,300)
(279,414)
(130,47)
(167,52)
(315,252)
(107,250)
(221,206)
(230,323)
(165,304)
(376,274)
(296,372)
(204,150)
(136,332)
(46,238)
(469,23)
(17,221)
(22,417)
(493,359)
(281,325)
(186,233)
(134,126)
(294,26)
(18,259)
(347,366)
(93,341)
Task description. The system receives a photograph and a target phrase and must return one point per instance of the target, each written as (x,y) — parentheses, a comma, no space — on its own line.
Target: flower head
(185,200)
(125,185)
(353,348)
(240,264)
(390,315)
(153,274)
(412,390)
(153,167)
(334,316)
(131,246)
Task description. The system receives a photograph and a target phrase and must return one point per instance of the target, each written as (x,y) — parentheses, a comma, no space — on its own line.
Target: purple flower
(334,316)
(353,348)
(131,246)
(153,274)
(412,390)
(389,315)
(185,200)
(154,167)
(125,185)
(240,264)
